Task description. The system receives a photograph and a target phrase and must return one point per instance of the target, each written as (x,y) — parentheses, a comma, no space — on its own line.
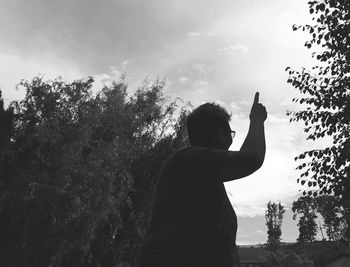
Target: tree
(335,218)
(327,206)
(6,131)
(326,98)
(306,208)
(274,216)
(80,171)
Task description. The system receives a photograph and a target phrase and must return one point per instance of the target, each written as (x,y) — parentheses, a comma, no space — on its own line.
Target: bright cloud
(232,49)
(184,80)
(194,34)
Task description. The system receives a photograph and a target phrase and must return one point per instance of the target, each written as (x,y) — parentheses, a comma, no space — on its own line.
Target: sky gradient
(222,51)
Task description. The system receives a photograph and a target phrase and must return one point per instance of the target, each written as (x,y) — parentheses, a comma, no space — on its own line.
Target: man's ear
(218,132)
(215,135)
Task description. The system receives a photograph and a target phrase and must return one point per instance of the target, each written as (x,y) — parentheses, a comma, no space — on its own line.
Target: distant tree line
(77,170)
(335,218)
(307,248)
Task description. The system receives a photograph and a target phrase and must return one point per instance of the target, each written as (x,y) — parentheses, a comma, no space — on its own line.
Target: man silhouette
(193,223)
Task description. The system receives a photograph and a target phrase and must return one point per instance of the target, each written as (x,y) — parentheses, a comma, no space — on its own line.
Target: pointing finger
(256,98)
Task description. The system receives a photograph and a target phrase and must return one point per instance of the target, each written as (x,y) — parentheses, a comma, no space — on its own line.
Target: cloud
(199,34)
(244,102)
(234,107)
(106,79)
(95,35)
(125,63)
(98,34)
(249,210)
(232,49)
(203,83)
(201,69)
(194,34)
(184,80)
(14,68)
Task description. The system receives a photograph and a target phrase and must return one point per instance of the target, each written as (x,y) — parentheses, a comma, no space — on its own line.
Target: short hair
(204,121)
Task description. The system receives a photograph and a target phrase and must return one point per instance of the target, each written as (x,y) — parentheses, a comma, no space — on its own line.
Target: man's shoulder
(184,155)
(194,154)
(193,166)
(198,149)
(185,151)
(202,151)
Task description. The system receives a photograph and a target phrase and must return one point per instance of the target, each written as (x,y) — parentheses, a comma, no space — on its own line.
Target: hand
(258,112)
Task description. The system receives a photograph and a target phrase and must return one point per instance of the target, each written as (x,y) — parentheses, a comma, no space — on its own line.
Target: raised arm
(251,156)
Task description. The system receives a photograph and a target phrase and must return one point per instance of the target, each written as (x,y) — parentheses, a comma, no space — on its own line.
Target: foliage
(319,252)
(306,208)
(79,171)
(323,251)
(274,216)
(335,218)
(327,99)
(6,126)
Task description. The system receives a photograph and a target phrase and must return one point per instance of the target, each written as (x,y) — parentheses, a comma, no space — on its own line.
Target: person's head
(208,126)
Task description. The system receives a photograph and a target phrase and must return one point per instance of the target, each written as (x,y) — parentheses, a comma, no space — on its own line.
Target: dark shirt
(193,222)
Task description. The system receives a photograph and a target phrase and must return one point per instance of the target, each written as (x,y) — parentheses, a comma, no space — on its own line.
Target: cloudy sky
(222,50)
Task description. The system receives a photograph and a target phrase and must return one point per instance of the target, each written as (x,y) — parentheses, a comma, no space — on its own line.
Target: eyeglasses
(233,133)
